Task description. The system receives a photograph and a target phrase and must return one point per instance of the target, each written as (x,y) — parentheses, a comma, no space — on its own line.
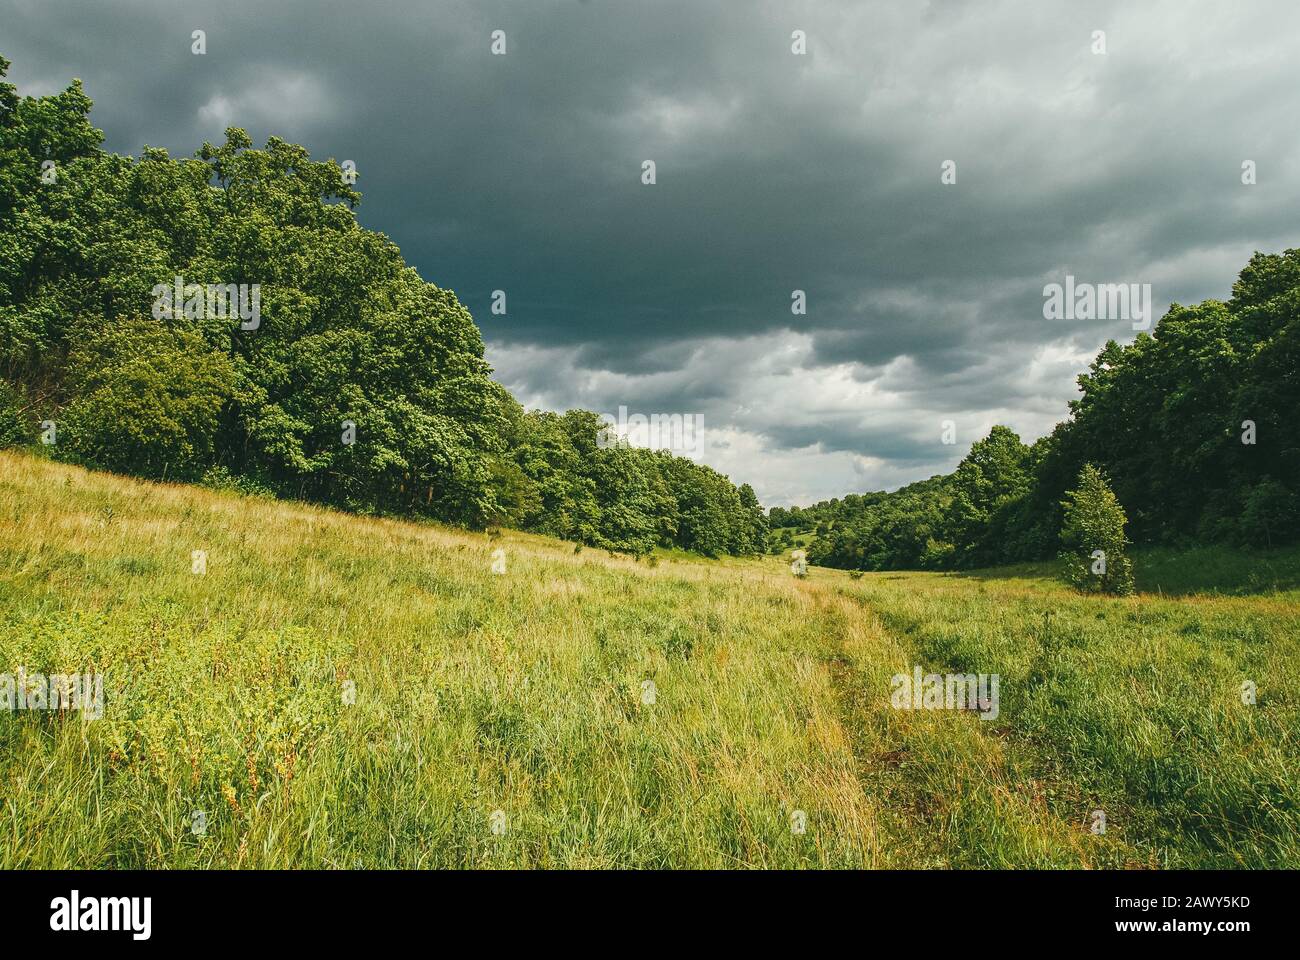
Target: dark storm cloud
(775,172)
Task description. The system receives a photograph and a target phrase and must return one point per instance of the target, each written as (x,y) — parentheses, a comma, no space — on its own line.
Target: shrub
(220,478)
(1270,514)
(148,401)
(1093,537)
(13,425)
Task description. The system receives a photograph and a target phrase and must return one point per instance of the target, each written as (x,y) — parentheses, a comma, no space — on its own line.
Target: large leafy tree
(987,482)
(348,332)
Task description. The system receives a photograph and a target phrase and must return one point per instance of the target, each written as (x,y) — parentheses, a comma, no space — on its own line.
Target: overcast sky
(775,172)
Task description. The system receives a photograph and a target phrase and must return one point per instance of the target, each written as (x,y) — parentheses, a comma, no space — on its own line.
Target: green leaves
(1093,537)
(14,426)
(148,401)
(623,498)
(1195,426)
(348,333)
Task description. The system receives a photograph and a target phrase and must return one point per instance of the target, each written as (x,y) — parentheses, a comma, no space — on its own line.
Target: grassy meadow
(343,692)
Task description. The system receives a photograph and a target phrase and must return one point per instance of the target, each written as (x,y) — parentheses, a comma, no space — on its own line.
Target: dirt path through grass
(946,788)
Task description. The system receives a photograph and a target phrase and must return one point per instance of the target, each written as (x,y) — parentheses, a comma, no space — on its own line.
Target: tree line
(1195,427)
(358,384)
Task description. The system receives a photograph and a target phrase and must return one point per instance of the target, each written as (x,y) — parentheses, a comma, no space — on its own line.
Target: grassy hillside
(522,692)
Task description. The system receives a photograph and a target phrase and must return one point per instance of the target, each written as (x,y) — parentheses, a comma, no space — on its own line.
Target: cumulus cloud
(290,102)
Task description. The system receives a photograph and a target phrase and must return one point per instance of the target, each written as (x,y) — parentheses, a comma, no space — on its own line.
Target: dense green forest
(1196,427)
(299,355)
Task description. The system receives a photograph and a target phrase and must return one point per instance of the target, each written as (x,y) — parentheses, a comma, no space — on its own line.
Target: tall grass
(346,692)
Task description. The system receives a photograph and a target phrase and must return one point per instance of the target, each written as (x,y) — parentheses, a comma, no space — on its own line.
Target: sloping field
(337,691)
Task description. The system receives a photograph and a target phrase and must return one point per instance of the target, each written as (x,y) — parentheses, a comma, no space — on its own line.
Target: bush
(1269,515)
(220,478)
(148,401)
(1093,537)
(13,425)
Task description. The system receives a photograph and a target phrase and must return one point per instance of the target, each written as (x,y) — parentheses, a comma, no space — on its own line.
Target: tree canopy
(1194,424)
(355,383)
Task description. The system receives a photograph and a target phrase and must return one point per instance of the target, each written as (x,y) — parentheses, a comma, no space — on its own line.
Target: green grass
(523,693)
(1205,570)
(1220,570)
